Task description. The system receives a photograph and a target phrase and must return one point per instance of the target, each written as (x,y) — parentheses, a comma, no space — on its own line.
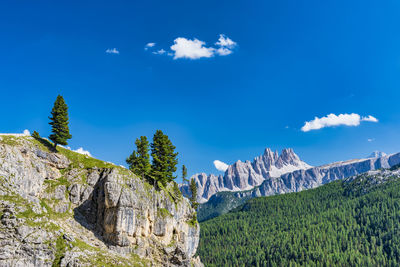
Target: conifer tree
(164,158)
(184,174)
(139,160)
(193,190)
(59,122)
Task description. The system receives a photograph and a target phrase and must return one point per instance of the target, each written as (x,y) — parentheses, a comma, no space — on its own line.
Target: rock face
(297,181)
(246,175)
(66,209)
(305,179)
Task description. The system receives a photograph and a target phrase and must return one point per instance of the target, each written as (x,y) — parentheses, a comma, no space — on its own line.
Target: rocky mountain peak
(288,156)
(246,175)
(269,157)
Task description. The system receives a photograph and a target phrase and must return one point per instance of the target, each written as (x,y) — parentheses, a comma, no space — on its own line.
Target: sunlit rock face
(66,209)
(246,175)
(296,181)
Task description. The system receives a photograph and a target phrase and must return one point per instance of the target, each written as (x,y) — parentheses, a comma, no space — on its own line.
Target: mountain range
(304,177)
(246,175)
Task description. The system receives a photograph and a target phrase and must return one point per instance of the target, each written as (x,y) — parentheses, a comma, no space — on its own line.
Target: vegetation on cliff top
(59,122)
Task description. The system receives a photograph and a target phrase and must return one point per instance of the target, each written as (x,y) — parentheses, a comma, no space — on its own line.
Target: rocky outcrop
(246,175)
(68,209)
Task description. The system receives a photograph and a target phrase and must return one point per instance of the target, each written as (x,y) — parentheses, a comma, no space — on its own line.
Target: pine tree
(139,160)
(193,190)
(164,158)
(184,174)
(59,122)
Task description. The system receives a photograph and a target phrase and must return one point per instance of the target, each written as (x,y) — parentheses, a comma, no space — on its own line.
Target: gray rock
(61,207)
(59,192)
(271,174)
(75,193)
(246,175)
(113,210)
(306,179)
(93,177)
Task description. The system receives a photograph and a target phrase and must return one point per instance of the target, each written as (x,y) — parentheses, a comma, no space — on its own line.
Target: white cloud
(222,51)
(331,120)
(225,45)
(149,45)
(224,41)
(26,132)
(82,151)
(369,118)
(112,51)
(221,166)
(196,49)
(193,49)
(371,139)
(159,52)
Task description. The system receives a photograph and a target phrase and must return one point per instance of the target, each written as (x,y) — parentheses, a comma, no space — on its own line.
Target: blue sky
(292,61)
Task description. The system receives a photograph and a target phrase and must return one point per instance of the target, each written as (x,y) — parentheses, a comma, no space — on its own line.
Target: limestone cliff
(67,209)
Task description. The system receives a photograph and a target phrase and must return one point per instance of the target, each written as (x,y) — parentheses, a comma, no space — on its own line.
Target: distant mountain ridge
(246,175)
(296,181)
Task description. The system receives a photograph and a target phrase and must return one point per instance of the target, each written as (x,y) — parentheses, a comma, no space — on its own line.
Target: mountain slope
(67,209)
(297,181)
(354,222)
(246,175)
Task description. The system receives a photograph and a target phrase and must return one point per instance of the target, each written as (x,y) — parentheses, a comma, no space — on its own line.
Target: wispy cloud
(221,166)
(371,139)
(196,49)
(159,52)
(149,45)
(369,118)
(225,44)
(222,51)
(225,41)
(332,120)
(112,51)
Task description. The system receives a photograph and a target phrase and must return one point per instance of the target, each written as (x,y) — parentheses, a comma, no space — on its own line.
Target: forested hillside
(351,222)
(221,203)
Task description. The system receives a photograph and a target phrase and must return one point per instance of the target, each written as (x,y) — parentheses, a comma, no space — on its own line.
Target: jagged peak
(267,151)
(288,154)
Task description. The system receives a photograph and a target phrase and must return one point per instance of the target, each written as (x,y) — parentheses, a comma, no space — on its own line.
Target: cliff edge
(68,209)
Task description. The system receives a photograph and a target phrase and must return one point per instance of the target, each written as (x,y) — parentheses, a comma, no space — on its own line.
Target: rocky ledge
(67,209)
